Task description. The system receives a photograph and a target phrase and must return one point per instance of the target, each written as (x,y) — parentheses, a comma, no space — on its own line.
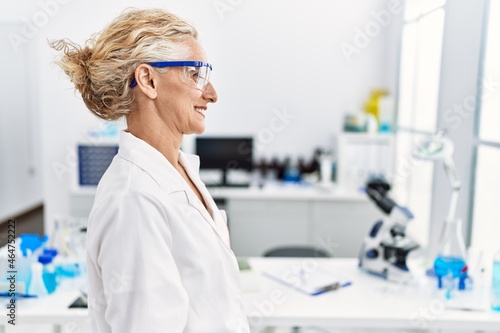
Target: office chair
(297,252)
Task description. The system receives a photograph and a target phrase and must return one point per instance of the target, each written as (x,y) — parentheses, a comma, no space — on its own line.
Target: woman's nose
(209,93)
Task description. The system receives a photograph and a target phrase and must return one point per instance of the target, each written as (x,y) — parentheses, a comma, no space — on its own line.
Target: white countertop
(287,192)
(279,191)
(370,302)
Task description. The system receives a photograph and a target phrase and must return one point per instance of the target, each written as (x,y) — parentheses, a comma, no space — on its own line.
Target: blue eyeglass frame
(174,64)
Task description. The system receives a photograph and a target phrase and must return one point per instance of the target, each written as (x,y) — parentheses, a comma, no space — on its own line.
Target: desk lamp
(439,147)
(450,262)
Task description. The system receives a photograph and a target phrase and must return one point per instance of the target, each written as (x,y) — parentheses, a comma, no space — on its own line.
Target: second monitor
(225,154)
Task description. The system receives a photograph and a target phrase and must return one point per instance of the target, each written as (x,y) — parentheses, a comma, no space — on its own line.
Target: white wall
(268,56)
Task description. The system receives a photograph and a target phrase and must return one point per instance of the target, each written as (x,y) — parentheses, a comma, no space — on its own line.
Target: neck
(151,129)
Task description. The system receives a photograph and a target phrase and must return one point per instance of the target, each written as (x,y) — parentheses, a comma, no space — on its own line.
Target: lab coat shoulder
(125,195)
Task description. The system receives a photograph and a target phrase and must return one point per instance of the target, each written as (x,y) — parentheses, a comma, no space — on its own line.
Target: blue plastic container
(49,274)
(446,267)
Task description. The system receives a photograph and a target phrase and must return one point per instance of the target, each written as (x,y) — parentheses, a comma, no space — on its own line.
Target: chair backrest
(297,251)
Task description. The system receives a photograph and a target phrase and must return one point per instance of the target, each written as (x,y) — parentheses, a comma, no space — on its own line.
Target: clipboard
(313,281)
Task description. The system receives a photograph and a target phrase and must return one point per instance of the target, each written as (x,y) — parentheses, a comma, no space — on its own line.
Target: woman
(158,248)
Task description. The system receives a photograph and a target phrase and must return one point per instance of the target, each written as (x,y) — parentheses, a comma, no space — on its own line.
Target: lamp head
(434,147)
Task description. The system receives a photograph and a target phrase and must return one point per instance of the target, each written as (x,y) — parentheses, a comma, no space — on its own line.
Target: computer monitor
(93,161)
(225,153)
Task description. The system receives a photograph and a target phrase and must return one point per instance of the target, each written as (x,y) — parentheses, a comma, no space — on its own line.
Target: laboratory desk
(368,304)
(51,313)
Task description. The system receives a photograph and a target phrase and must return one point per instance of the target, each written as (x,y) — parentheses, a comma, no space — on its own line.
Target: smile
(201,111)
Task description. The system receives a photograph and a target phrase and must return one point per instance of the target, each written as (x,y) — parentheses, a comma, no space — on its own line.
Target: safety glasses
(196,71)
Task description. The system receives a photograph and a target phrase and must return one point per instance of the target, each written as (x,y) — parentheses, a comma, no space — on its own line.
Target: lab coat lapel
(191,164)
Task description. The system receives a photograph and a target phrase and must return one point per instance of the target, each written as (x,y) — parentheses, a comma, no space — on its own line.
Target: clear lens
(200,75)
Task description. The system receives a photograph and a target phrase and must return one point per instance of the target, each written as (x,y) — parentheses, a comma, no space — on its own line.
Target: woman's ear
(146,77)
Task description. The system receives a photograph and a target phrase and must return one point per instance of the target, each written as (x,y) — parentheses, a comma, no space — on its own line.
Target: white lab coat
(157,260)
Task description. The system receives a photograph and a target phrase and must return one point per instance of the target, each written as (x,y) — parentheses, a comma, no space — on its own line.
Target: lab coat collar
(142,154)
(168,178)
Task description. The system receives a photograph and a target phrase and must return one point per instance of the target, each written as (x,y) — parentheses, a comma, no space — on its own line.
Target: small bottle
(325,162)
(49,275)
(495,283)
(37,286)
(386,113)
(291,172)
(23,270)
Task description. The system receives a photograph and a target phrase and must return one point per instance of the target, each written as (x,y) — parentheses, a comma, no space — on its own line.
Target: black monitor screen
(93,161)
(225,152)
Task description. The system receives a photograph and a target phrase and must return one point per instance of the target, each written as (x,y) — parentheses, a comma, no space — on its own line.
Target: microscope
(386,247)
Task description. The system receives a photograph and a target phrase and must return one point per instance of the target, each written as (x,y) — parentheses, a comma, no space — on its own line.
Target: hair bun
(85,56)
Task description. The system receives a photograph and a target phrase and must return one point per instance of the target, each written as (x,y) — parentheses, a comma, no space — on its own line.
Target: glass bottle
(450,266)
(37,285)
(495,283)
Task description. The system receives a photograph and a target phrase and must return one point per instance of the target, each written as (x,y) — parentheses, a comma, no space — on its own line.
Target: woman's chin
(198,130)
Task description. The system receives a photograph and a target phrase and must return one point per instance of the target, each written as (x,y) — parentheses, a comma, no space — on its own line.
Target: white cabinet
(259,225)
(340,226)
(363,156)
(262,220)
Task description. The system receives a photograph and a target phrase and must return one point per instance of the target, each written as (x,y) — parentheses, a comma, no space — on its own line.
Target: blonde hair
(103,69)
